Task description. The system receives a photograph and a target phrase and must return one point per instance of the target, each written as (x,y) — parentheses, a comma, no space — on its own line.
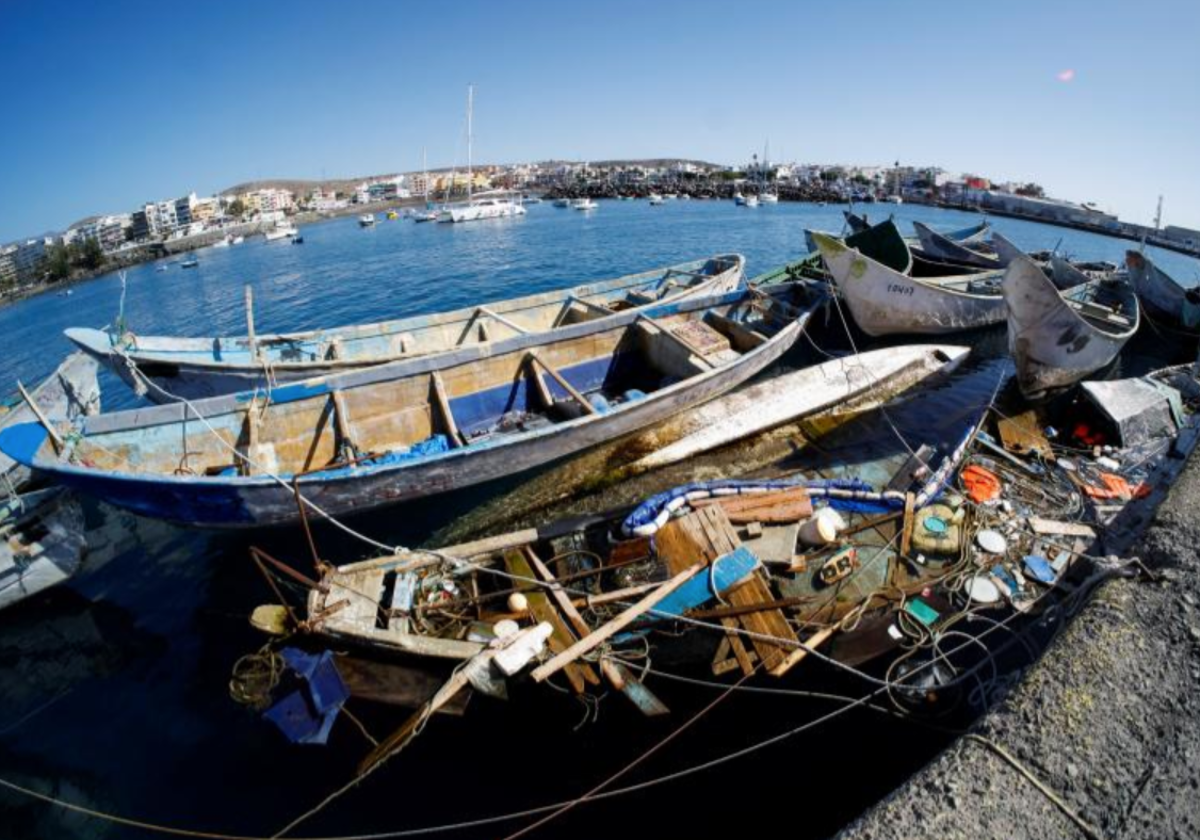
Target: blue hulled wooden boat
(195,368)
(425,425)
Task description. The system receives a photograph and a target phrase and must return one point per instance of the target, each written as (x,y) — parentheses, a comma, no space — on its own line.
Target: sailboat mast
(470,106)
(425,180)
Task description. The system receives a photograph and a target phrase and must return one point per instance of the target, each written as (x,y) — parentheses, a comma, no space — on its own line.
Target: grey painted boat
(42,529)
(422,426)
(195,368)
(1161,294)
(940,246)
(43,542)
(1058,337)
(884,301)
(66,395)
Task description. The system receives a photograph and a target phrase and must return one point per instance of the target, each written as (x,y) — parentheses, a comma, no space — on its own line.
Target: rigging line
(628,768)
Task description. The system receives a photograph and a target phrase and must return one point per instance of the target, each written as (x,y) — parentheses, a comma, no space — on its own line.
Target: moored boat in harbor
(1058,337)
(941,246)
(421,426)
(1161,295)
(887,301)
(191,368)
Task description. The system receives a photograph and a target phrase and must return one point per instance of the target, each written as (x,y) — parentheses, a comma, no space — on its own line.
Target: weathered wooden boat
(421,426)
(1058,337)
(43,542)
(42,529)
(65,396)
(855,222)
(940,246)
(1161,294)
(792,396)
(885,301)
(195,368)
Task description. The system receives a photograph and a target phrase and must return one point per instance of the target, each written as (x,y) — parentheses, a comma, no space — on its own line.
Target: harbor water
(115,685)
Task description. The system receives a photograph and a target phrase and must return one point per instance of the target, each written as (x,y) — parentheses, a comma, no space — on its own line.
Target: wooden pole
(250,322)
(566,386)
(591,642)
(55,438)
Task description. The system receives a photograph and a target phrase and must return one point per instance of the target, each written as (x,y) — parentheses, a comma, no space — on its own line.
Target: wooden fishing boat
(855,222)
(69,394)
(792,396)
(43,542)
(194,368)
(1161,294)
(42,529)
(421,426)
(885,301)
(1058,337)
(940,246)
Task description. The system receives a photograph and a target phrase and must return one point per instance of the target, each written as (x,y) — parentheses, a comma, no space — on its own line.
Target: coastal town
(175,225)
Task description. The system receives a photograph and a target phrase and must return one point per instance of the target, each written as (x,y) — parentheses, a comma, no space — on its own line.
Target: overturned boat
(194,368)
(1162,295)
(1058,337)
(421,426)
(887,301)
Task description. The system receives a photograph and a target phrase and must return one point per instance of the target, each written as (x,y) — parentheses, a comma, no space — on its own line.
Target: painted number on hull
(900,290)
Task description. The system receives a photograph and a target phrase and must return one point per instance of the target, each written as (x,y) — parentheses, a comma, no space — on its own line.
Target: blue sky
(109,105)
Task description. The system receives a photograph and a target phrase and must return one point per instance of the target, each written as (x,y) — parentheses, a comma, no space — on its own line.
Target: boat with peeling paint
(43,529)
(196,368)
(887,301)
(943,247)
(1058,337)
(1161,294)
(421,426)
(798,394)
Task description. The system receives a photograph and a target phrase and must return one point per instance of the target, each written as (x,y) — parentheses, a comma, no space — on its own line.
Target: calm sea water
(114,687)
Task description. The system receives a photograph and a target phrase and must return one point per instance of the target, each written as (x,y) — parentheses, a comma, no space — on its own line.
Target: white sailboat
(496,206)
(585,204)
(765,195)
(429,214)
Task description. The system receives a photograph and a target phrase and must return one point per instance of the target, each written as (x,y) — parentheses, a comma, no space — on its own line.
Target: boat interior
(1108,305)
(313,426)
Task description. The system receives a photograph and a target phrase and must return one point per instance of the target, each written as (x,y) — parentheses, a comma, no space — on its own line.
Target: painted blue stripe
(289,393)
(22,442)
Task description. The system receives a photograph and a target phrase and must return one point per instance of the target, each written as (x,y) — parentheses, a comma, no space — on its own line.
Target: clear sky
(108,105)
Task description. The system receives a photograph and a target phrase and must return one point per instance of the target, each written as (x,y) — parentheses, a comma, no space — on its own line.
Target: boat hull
(69,393)
(1160,294)
(886,302)
(251,501)
(944,248)
(192,369)
(49,546)
(1052,345)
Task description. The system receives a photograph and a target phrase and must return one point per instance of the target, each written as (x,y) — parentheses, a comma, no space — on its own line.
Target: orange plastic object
(1116,487)
(982,486)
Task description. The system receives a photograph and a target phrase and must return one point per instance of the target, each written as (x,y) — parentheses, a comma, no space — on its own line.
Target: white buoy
(517,603)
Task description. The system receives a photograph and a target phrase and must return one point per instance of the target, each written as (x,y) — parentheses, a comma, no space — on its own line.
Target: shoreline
(1103,729)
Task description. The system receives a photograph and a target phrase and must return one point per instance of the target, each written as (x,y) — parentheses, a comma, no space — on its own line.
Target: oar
(55,437)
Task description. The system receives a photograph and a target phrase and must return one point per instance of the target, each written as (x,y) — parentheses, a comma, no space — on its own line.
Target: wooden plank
(624,681)
(795,656)
(342,419)
(706,535)
(906,534)
(1051,527)
(566,386)
(607,631)
(1023,435)
(394,684)
(556,592)
(443,404)
(55,438)
(740,655)
(542,610)
(766,508)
